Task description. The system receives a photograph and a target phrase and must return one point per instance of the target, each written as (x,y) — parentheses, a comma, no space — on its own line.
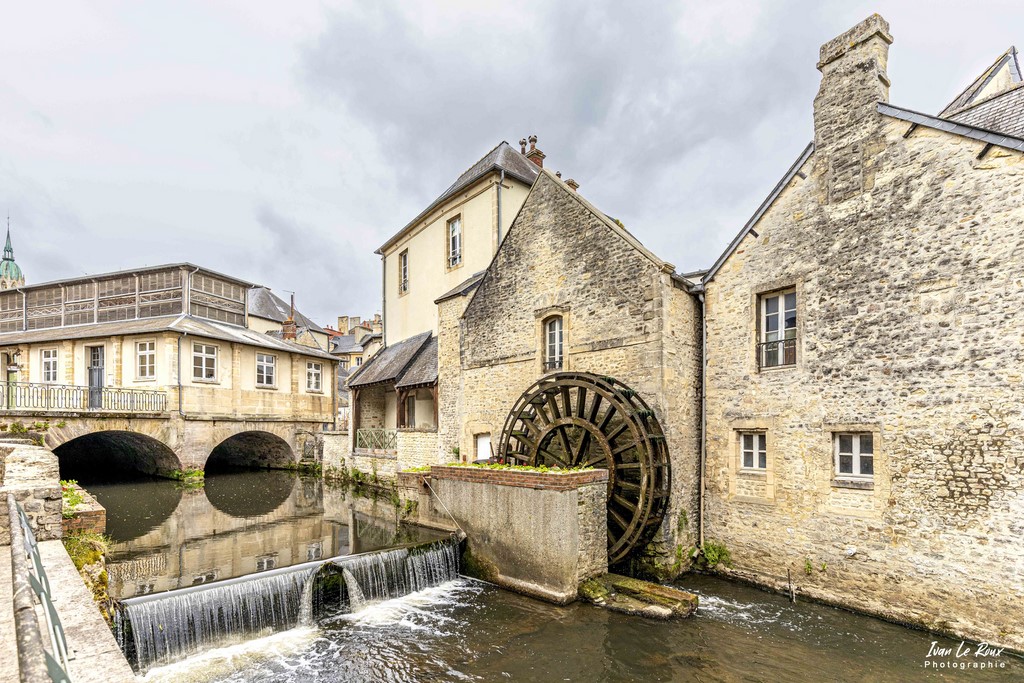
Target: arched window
(553,343)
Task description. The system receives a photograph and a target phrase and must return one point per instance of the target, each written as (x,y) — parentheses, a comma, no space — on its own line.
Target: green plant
(62,424)
(71,497)
(18,428)
(808,567)
(86,547)
(421,468)
(714,554)
(824,566)
(455,451)
(520,468)
(189,478)
(40,426)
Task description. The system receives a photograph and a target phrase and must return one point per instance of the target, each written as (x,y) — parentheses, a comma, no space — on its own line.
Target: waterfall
(163,628)
(393,573)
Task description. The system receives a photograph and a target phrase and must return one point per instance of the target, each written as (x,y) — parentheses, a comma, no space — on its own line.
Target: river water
(464,630)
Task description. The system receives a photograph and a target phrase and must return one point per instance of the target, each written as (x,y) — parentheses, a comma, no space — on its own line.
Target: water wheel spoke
(583,448)
(566,401)
(553,407)
(629,505)
(627,465)
(618,432)
(551,455)
(581,401)
(563,436)
(625,447)
(609,414)
(623,524)
(627,486)
(595,408)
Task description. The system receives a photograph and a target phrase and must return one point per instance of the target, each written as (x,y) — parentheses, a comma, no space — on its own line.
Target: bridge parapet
(57,398)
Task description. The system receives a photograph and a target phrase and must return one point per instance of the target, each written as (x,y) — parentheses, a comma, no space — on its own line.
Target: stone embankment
(637,597)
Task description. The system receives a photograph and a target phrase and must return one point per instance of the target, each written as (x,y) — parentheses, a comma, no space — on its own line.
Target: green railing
(377,439)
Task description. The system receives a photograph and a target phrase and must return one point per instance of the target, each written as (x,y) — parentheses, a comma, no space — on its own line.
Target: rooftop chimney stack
(535,155)
(354,321)
(378,323)
(522,145)
(289,330)
(573,185)
(343,324)
(847,125)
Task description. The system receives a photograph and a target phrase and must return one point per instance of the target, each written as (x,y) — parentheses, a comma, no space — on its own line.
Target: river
(465,630)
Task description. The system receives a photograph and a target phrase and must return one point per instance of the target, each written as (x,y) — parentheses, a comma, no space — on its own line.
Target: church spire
(10,273)
(8,249)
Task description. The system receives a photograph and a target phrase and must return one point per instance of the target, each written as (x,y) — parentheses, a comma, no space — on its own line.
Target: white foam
(222,661)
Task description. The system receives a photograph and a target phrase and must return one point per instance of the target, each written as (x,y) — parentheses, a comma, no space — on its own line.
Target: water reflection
(242,522)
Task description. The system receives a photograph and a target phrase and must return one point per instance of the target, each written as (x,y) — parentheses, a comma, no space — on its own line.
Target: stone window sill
(857,484)
(205,381)
(266,387)
(753,474)
(425,430)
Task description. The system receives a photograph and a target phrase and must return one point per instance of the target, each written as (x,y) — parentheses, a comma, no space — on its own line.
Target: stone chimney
(343,324)
(847,125)
(289,329)
(378,323)
(353,321)
(534,155)
(573,185)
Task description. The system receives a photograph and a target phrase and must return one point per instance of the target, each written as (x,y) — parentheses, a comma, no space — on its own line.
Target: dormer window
(455,242)
(553,356)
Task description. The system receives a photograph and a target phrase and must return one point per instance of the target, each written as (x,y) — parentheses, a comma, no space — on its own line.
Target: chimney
(535,155)
(573,185)
(353,321)
(847,125)
(288,328)
(343,324)
(378,323)
(522,145)
(853,81)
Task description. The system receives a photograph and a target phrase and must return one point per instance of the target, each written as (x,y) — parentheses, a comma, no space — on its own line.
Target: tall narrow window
(204,362)
(753,451)
(778,330)
(344,363)
(410,411)
(265,369)
(314,376)
(855,456)
(553,341)
(403,272)
(145,360)
(455,241)
(359,361)
(48,361)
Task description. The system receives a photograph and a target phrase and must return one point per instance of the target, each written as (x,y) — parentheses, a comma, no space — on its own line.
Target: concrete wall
(539,534)
(905,254)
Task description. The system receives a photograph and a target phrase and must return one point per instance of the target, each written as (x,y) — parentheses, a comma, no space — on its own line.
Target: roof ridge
(1009,91)
(981,81)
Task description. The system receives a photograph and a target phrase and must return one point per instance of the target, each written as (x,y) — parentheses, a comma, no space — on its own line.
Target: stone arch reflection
(233,493)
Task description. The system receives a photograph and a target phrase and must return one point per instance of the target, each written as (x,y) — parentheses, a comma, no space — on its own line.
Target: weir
(165,627)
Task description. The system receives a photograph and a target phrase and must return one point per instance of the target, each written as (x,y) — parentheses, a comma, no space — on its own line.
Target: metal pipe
(501,181)
(703,418)
(31,656)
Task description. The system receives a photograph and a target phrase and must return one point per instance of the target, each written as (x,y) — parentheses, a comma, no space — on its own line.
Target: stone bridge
(159,443)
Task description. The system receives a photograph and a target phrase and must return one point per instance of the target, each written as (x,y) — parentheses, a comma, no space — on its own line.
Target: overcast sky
(283,142)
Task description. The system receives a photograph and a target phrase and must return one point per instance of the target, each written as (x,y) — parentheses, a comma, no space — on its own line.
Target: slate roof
(463,288)
(391,362)
(263,303)
(198,327)
(501,158)
(423,369)
(994,101)
(345,343)
(972,132)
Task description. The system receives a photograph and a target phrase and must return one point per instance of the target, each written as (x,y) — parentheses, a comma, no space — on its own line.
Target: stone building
(864,353)
(158,367)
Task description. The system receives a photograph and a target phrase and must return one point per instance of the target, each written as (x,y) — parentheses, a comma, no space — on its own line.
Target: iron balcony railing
(776,354)
(57,397)
(553,364)
(377,439)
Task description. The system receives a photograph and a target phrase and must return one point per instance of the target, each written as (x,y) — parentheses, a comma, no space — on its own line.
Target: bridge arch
(251,449)
(112,453)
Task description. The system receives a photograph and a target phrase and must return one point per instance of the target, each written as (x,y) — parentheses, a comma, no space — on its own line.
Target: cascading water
(394,573)
(159,629)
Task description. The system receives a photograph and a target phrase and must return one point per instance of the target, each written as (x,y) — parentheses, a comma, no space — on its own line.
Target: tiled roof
(263,303)
(994,101)
(345,343)
(972,132)
(390,362)
(501,158)
(1003,113)
(423,369)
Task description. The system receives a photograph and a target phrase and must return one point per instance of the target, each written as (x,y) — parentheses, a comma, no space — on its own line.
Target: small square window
(266,365)
(854,456)
(753,450)
(314,377)
(204,362)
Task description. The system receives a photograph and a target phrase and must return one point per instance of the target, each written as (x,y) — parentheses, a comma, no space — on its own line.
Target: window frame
(52,361)
(403,272)
(554,349)
(784,345)
(151,352)
(409,410)
(205,355)
(453,249)
(758,450)
(262,363)
(314,369)
(856,454)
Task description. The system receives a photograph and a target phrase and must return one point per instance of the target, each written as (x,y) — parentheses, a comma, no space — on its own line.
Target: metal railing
(776,354)
(377,439)
(553,364)
(31,396)
(25,545)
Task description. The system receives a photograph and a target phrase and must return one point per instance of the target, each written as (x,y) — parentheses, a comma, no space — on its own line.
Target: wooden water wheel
(574,419)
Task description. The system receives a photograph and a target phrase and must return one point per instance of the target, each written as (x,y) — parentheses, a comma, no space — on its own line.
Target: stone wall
(337,450)
(538,534)
(31,474)
(418,447)
(904,250)
(624,316)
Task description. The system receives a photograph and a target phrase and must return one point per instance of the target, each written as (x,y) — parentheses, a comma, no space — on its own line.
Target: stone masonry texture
(905,251)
